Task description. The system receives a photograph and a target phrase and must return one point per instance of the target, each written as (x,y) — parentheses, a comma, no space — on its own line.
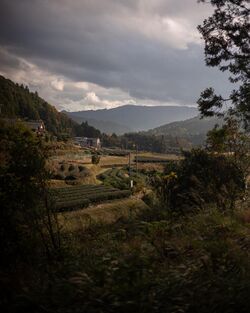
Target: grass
(103,213)
(156,262)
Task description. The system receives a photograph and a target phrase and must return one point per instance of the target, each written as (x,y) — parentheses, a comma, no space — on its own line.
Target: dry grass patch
(113,160)
(108,213)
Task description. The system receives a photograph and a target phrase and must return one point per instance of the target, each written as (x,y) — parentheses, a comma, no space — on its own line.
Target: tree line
(18,102)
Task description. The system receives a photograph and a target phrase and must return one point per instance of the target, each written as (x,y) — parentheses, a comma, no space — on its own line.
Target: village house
(88,142)
(36,126)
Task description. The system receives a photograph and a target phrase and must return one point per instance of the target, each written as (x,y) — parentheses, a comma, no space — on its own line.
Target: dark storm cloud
(142,47)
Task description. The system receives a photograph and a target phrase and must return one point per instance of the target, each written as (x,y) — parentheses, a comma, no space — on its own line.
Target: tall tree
(227,45)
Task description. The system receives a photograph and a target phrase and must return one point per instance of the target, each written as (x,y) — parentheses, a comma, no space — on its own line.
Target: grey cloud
(8,62)
(92,41)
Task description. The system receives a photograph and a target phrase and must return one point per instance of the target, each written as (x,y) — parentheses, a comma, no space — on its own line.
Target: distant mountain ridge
(136,117)
(107,127)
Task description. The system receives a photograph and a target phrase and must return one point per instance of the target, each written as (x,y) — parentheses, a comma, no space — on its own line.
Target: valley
(125,156)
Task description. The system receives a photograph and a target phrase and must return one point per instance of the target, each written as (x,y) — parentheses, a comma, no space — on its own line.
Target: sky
(94,54)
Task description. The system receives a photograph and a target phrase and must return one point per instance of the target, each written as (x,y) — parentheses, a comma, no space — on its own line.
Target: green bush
(95,159)
(201,179)
(29,236)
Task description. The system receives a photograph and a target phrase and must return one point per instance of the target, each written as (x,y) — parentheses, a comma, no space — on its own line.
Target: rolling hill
(135,117)
(194,129)
(18,102)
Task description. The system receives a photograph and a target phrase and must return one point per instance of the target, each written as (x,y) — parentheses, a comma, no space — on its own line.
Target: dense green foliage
(18,102)
(21,180)
(145,142)
(231,140)
(28,231)
(227,45)
(200,179)
(154,263)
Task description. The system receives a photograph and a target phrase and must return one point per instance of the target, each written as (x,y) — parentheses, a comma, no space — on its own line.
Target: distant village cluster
(38,127)
(88,142)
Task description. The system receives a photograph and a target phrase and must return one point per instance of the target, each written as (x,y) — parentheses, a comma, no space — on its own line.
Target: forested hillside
(194,129)
(190,127)
(17,101)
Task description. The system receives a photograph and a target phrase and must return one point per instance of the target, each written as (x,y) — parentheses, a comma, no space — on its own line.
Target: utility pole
(136,160)
(136,157)
(129,163)
(129,169)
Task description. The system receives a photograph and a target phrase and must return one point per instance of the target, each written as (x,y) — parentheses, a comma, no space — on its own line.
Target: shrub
(84,172)
(29,236)
(201,179)
(81,168)
(151,199)
(62,167)
(59,176)
(70,177)
(71,168)
(95,159)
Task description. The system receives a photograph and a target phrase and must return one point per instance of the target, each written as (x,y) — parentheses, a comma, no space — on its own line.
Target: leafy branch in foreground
(227,46)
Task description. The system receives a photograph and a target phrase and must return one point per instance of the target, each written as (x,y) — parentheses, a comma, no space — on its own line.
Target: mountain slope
(194,129)
(17,101)
(192,126)
(107,127)
(137,117)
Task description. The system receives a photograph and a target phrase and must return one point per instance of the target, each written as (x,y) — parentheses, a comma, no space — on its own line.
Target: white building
(88,142)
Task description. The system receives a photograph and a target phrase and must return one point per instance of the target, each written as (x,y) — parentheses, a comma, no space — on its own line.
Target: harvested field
(107,160)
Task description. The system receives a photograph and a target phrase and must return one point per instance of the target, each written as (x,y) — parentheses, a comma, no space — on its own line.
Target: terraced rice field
(120,178)
(76,197)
